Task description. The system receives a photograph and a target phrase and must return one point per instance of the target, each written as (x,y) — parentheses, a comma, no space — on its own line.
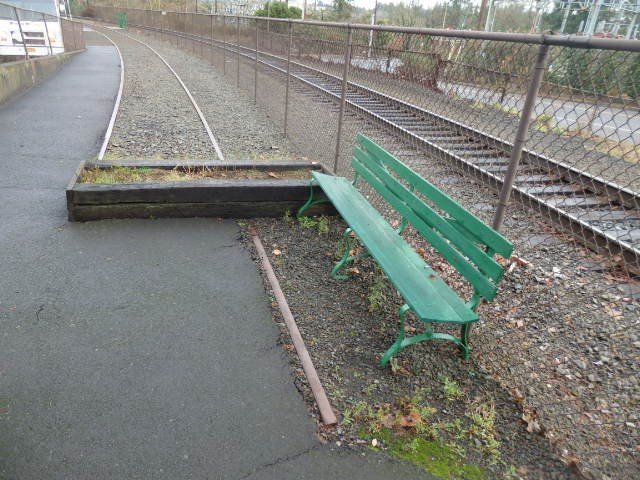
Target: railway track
(203,120)
(603,214)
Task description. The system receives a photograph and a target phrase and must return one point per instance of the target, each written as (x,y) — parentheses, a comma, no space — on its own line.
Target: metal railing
(553,120)
(27,33)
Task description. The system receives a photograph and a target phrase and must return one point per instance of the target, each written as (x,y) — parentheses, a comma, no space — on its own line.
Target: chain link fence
(564,141)
(26,33)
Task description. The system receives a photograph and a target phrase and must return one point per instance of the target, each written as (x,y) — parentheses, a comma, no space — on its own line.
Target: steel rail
(116,106)
(212,138)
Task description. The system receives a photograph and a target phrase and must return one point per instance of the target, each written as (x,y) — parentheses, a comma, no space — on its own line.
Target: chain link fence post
(224,45)
(73,31)
(211,18)
(255,78)
(238,45)
(288,80)
(522,134)
(192,32)
(178,16)
(343,94)
(200,34)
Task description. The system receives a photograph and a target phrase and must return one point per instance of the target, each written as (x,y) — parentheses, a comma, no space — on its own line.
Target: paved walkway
(134,349)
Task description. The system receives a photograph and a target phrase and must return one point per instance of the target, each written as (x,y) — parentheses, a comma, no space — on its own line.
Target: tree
(278,10)
(577,15)
(342,8)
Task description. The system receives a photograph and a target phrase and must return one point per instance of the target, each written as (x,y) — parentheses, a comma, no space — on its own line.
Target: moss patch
(409,429)
(435,457)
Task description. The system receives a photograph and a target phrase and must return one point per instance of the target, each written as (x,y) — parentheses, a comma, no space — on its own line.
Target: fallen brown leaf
(520,261)
(411,420)
(530,416)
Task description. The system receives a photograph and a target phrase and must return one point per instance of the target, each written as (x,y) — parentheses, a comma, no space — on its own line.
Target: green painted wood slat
(485,233)
(465,243)
(481,283)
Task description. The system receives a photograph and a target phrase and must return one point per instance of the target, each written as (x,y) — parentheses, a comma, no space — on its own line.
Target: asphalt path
(140,348)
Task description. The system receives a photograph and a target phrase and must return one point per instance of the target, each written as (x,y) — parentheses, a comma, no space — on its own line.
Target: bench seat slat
(432,220)
(486,288)
(486,234)
(432,300)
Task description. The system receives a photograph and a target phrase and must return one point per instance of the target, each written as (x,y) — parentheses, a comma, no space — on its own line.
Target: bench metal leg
(403,342)
(464,340)
(346,258)
(311,202)
(398,345)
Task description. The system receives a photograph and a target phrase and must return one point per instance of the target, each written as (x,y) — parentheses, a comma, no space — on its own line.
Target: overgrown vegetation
(409,429)
(119,174)
(278,10)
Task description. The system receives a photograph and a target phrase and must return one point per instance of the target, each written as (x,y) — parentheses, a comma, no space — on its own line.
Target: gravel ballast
(157,121)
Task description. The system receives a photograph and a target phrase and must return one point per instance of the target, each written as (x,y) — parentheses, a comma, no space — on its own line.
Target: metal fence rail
(28,34)
(551,120)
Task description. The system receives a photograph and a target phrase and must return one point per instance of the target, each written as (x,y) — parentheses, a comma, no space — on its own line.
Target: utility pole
(374,19)
(565,16)
(592,19)
(444,18)
(482,15)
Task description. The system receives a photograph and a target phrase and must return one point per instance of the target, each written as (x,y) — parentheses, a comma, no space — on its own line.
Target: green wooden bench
(461,238)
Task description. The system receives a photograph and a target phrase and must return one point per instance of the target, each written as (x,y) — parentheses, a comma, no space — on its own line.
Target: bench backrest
(462,239)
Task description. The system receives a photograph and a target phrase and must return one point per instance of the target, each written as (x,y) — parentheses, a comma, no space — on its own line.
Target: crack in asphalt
(279,460)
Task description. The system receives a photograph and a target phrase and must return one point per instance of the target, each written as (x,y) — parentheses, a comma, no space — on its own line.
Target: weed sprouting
(451,389)
(376,296)
(544,122)
(483,423)
(345,244)
(323,225)
(507,109)
(307,222)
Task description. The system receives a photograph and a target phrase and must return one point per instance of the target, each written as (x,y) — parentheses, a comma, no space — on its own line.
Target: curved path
(134,349)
